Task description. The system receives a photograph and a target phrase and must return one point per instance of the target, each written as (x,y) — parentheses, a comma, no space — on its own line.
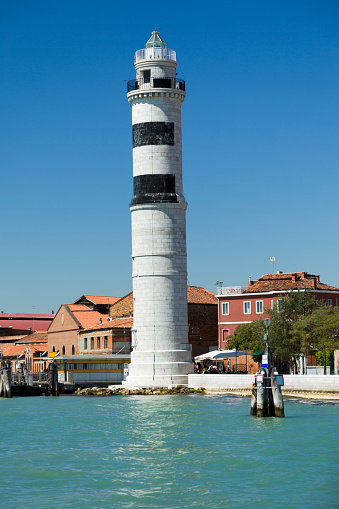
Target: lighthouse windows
(146,76)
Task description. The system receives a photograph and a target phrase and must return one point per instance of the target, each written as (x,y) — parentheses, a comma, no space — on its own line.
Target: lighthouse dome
(155,41)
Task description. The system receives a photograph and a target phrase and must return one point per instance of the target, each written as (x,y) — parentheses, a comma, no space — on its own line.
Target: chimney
(294,278)
(303,275)
(315,281)
(249,282)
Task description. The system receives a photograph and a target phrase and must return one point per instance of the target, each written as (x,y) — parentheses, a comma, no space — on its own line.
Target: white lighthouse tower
(161,355)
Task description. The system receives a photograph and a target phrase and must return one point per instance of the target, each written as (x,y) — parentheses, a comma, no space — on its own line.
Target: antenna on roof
(272,260)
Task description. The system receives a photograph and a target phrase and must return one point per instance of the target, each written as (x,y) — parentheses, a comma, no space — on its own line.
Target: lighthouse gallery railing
(177,83)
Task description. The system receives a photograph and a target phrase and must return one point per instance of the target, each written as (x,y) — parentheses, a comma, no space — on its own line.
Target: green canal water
(166,452)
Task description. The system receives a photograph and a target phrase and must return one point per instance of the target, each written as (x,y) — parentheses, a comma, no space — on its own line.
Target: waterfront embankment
(299,386)
(116,390)
(320,387)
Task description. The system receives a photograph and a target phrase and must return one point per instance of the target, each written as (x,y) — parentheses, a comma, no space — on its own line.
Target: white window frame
(224,336)
(261,302)
(329,302)
(225,308)
(249,306)
(336,301)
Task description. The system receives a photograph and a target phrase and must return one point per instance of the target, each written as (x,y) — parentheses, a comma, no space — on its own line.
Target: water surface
(166,452)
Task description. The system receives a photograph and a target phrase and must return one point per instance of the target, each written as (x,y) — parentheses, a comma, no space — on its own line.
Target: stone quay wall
(312,384)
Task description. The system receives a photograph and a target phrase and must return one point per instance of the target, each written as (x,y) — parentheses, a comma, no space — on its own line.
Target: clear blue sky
(260,142)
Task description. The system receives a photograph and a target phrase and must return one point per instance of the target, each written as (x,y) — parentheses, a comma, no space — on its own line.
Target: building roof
(13,339)
(285,281)
(155,41)
(36,337)
(195,295)
(15,350)
(199,295)
(115,323)
(84,316)
(98,299)
(26,321)
(28,316)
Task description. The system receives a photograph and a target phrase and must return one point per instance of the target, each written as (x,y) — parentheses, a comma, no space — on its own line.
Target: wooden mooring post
(52,379)
(267,399)
(5,380)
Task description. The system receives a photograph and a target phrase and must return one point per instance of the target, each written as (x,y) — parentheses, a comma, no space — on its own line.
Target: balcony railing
(230,290)
(176,83)
(155,54)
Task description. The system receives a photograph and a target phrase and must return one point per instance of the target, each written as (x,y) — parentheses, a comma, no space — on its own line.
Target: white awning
(220,355)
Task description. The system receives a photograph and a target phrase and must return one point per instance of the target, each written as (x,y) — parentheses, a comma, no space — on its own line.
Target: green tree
(250,337)
(323,328)
(286,332)
(287,328)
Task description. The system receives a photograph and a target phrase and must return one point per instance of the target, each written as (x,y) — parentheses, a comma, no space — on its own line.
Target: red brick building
(30,350)
(238,305)
(63,331)
(87,311)
(82,327)
(113,336)
(202,317)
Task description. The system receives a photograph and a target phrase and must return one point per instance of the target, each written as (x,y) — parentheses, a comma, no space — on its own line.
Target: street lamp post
(305,360)
(267,322)
(236,361)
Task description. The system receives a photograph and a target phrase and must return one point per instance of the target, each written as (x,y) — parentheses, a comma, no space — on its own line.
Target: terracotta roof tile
(198,295)
(89,318)
(78,307)
(288,281)
(14,350)
(13,339)
(112,324)
(99,299)
(33,338)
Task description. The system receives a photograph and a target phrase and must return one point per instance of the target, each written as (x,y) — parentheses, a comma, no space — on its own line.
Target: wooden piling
(267,400)
(254,400)
(5,381)
(52,379)
(277,397)
(262,398)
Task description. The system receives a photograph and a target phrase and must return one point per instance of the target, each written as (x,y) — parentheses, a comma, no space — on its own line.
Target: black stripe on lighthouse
(153,133)
(154,188)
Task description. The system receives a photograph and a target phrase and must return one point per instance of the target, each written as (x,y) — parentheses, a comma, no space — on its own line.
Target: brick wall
(123,307)
(203,327)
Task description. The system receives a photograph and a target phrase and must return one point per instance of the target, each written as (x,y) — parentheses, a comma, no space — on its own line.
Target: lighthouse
(161,355)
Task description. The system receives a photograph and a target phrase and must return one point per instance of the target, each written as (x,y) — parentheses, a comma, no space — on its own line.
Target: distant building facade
(30,350)
(237,305)
(111,337)
(63,331)
(202,317)
(26,321)
(82,328)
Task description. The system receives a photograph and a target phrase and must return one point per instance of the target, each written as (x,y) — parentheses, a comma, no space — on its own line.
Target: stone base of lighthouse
(161,368)
(161,355)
